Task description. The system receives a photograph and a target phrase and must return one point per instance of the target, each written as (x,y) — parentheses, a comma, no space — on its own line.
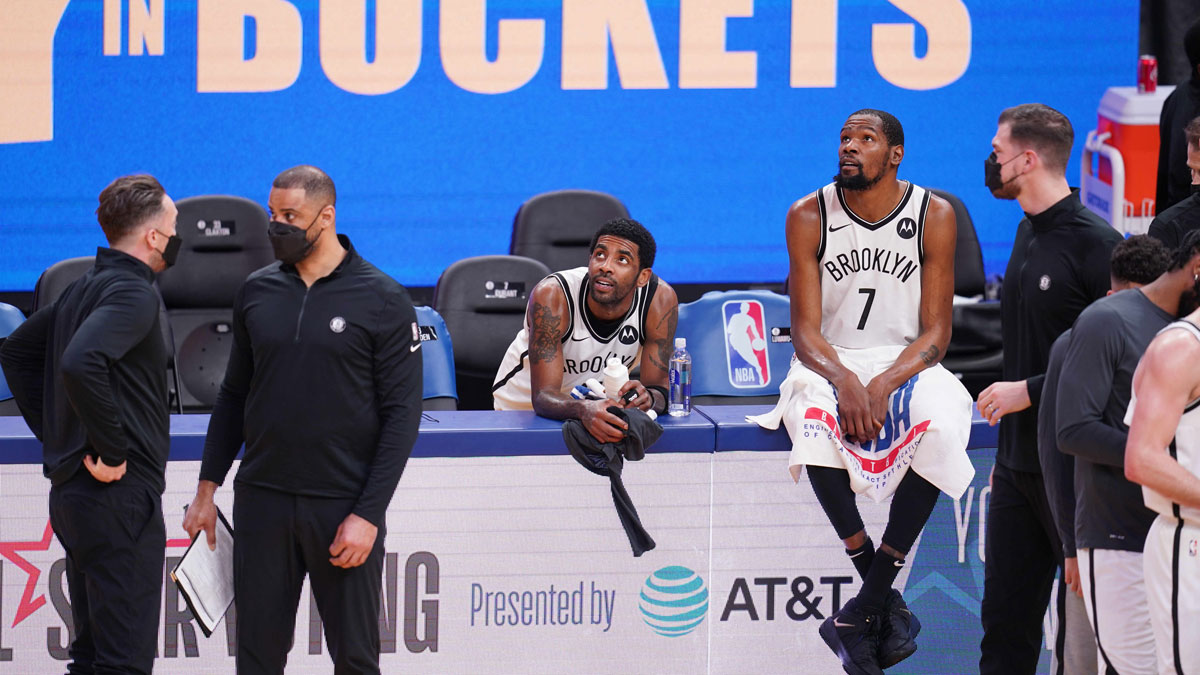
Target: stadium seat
(437,362)
(483,300)
(224,240)
(969,278)
(740,343)
(557,227)
(10,318)
(55,279)
(976,352)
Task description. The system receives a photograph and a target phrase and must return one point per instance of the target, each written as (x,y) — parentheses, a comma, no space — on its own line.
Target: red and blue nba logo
(746,344)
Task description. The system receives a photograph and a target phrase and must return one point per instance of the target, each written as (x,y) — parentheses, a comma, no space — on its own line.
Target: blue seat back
(10,318)
(437,357)
(740,342)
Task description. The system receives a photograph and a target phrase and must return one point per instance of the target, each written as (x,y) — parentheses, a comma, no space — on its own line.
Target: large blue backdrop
(707,117)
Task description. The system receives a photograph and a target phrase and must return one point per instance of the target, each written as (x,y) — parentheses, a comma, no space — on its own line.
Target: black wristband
(661,390)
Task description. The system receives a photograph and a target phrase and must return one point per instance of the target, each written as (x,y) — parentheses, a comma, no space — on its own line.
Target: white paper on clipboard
(205,577)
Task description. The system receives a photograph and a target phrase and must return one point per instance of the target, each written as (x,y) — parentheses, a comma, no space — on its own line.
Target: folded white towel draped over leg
(927,426)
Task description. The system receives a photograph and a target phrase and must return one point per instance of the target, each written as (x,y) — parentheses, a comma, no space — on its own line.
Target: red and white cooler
(1122,190)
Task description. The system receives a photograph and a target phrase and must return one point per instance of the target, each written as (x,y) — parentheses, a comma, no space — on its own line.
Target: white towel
(927,426)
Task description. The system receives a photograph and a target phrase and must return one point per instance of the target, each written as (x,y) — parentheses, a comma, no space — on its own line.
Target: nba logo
(746,344)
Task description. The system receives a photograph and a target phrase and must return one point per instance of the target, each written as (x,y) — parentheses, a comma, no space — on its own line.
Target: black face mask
(170,252)
(991,174)
(1196,188)
(291,243)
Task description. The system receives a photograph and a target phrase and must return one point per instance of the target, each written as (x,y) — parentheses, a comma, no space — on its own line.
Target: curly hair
(1139,259)
(632,231)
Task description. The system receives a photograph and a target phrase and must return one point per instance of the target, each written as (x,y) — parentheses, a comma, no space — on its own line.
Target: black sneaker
(898,631)
(854,636)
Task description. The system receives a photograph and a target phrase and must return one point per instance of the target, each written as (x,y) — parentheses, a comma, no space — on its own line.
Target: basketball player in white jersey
(1162,453)
(871,285)
(578,319)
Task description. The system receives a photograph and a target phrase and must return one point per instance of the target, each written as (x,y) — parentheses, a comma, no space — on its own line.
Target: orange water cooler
(1125,143)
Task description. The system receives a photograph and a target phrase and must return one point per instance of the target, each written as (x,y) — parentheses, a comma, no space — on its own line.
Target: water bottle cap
(616,369)
(680,343)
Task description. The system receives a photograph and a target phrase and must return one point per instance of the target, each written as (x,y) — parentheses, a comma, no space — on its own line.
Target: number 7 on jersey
(870,293)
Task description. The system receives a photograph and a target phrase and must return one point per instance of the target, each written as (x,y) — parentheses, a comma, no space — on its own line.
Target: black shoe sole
(829,634)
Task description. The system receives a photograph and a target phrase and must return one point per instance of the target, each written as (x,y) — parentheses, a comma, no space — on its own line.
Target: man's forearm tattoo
(665,346)
(930,356)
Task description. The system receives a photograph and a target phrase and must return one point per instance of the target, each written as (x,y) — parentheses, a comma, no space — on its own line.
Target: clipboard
(205,577)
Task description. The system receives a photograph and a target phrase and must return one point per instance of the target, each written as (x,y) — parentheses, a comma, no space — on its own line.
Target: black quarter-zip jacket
(323,385)
(89,373)
(1059,265)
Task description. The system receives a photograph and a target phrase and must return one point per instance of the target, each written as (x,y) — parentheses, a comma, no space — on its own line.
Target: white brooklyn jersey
(585,348)
(871,272)
(1185,447)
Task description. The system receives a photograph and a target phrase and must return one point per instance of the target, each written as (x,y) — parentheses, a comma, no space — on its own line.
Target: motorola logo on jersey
(746,344)
(628,335)
(906,228)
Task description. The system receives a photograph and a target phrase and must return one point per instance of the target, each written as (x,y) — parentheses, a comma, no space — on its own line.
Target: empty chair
(224,240)
(741,345)
(976,353)
(483,300)
(437,361)
(55,279)
(10,318)
(969,278)
(557,227)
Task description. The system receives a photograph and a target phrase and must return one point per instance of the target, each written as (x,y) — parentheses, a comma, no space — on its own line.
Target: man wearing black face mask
(1059,265)
(1170,226)
(324,388)
(89,375)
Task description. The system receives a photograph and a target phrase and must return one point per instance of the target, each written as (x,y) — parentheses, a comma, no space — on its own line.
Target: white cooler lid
(1124,105)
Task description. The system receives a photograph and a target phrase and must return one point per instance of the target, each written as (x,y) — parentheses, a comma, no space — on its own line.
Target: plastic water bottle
(680,378)
(615,377)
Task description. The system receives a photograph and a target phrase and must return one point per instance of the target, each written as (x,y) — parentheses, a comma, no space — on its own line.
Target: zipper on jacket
(300,317)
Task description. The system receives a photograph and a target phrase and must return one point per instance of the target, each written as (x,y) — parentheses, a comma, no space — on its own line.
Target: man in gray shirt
(1136,262)
(1111,520)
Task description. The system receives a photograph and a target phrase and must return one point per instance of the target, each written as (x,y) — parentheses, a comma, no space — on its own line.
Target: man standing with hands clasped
(1059,265)
(89,374)
(324,388)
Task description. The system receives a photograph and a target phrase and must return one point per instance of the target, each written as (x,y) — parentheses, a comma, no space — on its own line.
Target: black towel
(607,459)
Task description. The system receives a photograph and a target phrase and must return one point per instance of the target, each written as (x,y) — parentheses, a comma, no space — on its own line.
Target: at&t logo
(674,601)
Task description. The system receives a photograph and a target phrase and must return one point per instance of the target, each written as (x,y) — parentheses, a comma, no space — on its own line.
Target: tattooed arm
(937,300)
(547,317)
(661,319)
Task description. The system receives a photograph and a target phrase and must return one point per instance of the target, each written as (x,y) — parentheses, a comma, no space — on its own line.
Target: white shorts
(1172,568)
(1114,592)
(927,426)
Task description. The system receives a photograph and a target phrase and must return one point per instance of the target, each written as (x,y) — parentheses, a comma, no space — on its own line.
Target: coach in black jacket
(89,374)
(324,388)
